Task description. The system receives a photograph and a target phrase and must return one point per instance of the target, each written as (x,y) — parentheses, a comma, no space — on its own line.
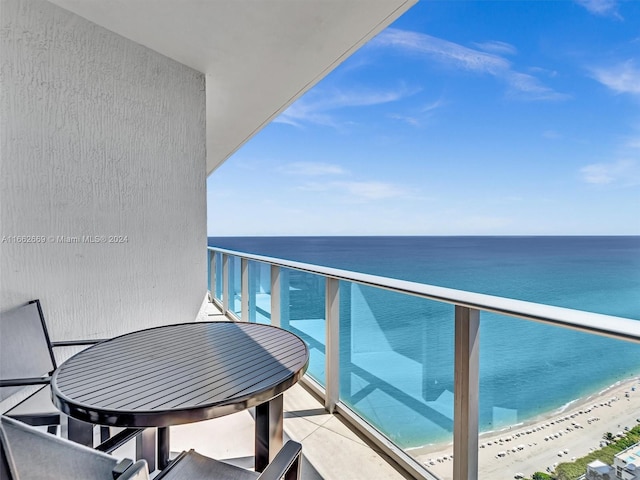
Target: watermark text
(64,239)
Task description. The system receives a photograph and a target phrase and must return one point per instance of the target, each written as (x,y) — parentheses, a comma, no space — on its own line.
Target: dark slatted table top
(179,373)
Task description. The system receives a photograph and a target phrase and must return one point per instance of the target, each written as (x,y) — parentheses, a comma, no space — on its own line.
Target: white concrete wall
(99,137)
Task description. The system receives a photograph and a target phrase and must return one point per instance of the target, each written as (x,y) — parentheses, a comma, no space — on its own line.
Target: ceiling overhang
(258,56)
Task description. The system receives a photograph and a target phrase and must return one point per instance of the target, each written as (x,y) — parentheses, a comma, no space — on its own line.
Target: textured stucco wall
(99,137)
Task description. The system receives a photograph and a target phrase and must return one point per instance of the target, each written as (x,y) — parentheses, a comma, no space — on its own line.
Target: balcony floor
(331,449)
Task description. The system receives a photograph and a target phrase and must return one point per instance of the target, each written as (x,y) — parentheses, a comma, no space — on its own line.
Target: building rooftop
(630,456)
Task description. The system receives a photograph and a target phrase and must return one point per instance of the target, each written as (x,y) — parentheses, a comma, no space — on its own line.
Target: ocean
(398,372)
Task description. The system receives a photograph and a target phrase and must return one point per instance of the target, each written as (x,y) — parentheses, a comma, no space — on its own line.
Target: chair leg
(78,431)
(105,434)
(146,447)
(294,471)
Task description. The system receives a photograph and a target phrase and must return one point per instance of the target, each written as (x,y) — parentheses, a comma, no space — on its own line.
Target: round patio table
(184,373)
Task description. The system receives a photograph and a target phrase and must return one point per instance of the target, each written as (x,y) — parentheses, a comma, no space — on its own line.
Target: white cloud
(621,78)
(308,110)
(622,172)
(300,113)
(497,47)
(341,98)
(373,190)
(605,8)
(432,106)
(312,169)
(551,134)
(544,71)
(443,50)
(410,119)
(530,87)
(417,116)
(359,190)
(458,56)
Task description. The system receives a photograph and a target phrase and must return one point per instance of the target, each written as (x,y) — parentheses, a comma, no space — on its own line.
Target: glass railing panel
(210,255)
(235,285)
(218,267)
(302,311)
(396,365)
(549,395)
(259,292)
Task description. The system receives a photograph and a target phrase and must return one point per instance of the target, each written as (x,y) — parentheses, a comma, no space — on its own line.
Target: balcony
(361,372)
(110,136)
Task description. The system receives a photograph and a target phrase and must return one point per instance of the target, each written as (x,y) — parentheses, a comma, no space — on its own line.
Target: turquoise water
(397,351)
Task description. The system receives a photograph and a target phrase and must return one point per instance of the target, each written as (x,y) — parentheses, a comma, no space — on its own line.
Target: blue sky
(461,118)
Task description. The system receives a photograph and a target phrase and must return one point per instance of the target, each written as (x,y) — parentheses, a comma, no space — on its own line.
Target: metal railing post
(275,295)
(332,344)
(225,283)
(285,298)
(212,274)
(466,393)
(244,290)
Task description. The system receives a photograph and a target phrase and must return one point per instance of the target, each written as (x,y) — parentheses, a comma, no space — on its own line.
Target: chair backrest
(7,468)
(40,455)
(25,348)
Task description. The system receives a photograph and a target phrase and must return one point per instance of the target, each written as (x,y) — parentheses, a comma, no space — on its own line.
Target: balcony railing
(331,309)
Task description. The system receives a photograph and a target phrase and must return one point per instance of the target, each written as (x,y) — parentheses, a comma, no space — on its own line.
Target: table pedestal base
(269,430)
(163,447)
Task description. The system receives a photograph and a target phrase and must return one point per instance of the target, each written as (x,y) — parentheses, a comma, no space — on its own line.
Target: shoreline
(536,444)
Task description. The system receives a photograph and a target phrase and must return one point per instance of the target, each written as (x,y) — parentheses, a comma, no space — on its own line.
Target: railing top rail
(606,325)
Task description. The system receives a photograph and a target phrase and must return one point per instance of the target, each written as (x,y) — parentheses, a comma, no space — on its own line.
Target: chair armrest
(72,343)
(23,382)
(127,470)
(119,439)
(287,460)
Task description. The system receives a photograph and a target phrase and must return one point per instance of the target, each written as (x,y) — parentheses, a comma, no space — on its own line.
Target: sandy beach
(549,440)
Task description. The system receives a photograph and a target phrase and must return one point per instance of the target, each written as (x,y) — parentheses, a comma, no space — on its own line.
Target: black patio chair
(30,454)
(190,465)
(27,362)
